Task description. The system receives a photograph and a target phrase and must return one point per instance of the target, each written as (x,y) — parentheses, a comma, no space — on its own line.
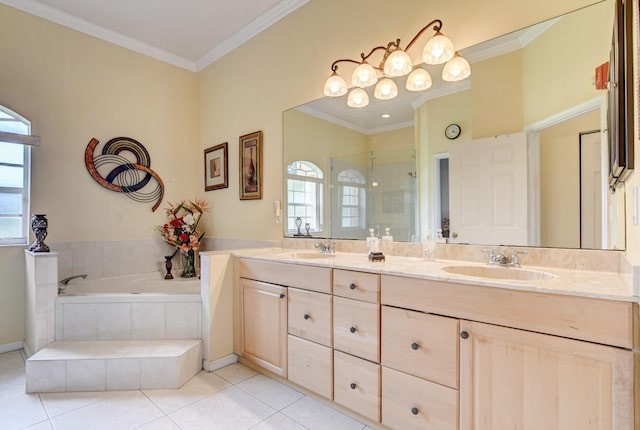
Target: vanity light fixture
(395,63)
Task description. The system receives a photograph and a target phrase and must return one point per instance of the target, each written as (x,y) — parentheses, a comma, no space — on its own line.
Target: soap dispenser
(373,244)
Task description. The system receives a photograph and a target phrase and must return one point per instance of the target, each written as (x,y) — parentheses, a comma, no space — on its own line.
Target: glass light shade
(386,89)
(358,98)
(456,69)
(364,75)
(419,80)
(398,63)
(335,86)
(438,50)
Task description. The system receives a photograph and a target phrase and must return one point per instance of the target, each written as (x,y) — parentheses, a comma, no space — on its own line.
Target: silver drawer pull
(352,329)
(414,410)
(415,346)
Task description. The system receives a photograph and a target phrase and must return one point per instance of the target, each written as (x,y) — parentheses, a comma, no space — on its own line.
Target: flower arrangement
(181,230)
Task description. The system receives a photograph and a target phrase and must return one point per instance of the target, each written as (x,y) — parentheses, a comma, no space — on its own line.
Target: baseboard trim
(210,366)
(13,346)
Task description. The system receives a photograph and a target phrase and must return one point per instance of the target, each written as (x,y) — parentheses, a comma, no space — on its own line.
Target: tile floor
(234,398)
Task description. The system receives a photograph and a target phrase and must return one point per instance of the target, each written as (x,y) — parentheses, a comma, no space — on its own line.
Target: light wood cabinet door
(420,344)
(514,379)
(410,403)
(264,325)
(310,315)
(356,384)
(311,366)
(356,328)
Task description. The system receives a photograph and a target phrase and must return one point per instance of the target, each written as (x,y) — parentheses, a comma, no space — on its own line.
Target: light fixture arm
(437,26)
(391,46)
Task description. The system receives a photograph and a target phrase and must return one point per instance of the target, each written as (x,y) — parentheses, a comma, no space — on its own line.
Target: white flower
(188,219)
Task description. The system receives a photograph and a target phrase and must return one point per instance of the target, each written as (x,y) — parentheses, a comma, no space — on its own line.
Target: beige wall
(496,96)
(560,181)
(562,61)
(74,87)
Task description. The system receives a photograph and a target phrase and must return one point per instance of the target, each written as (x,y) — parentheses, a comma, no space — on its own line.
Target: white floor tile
(270,391)
(236,373)
(22,411)
(60,403)
(163,423)
(279,422)
(120,410)
(200,386)
(315,415)
(231,409)
(44,425)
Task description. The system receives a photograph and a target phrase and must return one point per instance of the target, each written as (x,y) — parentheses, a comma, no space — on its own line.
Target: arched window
(15,167)
(352,198)
(304,196)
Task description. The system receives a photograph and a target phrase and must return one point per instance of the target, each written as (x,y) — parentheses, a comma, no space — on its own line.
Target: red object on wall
(602,76)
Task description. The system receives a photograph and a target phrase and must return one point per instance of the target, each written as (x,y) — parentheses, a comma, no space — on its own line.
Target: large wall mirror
(529,166)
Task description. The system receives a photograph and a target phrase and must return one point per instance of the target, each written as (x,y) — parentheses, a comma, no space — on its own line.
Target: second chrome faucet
(505,258)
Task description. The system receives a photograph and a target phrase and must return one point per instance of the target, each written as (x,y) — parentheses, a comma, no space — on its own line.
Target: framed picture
(251,166)
(216,167)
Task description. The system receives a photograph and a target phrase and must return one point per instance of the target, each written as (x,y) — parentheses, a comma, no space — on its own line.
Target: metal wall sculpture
(118,173)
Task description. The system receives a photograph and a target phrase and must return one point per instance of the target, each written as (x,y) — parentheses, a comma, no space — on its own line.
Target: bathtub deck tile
(113,365)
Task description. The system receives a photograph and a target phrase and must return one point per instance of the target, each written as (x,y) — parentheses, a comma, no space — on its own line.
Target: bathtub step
(113,365)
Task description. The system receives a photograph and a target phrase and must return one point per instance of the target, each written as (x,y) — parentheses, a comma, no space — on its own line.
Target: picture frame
(216,171)
(250,173)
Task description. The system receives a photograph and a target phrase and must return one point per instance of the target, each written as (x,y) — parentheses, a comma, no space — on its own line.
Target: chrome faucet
(65,282)
(503,258)
(325,246)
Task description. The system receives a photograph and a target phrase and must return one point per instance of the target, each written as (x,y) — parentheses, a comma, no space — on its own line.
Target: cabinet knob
(352,329)
(306,316)
(464,335)
(281,295)
(415,346)
(352,286)
(414,410)
(353,385)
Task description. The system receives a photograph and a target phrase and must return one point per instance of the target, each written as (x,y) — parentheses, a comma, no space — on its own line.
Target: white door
(488,190)
(590,191)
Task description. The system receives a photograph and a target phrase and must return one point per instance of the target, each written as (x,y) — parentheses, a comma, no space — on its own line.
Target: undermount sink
(494,272)
(305,255)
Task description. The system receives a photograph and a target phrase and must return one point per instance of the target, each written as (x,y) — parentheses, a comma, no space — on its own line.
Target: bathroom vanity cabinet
(414,353)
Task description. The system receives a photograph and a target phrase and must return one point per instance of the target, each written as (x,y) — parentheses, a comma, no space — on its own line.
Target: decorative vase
(39,225)
(168,265)
(189,270)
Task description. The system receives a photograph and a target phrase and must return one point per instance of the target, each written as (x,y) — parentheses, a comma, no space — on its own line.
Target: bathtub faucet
(65,282)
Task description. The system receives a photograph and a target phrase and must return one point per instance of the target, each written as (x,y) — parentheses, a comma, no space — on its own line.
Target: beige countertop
(581,283)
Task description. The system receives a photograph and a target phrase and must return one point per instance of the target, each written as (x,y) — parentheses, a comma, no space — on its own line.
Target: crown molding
(73,22)
(349,125)
(256,26)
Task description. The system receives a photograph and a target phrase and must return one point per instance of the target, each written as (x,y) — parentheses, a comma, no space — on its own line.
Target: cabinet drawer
(356,385)
(311,366)
(291,275)
(310,315)
(420,344)
(356,285)
(356,328)
(413,403)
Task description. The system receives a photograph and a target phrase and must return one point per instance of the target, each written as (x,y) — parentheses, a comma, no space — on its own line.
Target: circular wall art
(129,174)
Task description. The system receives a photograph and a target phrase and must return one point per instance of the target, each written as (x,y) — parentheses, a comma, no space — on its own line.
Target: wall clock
(452,131)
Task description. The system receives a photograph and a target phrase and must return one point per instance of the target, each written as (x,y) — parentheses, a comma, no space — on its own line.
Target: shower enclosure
(375,189)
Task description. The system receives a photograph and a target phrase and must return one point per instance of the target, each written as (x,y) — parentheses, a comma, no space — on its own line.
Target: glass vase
(189,270)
